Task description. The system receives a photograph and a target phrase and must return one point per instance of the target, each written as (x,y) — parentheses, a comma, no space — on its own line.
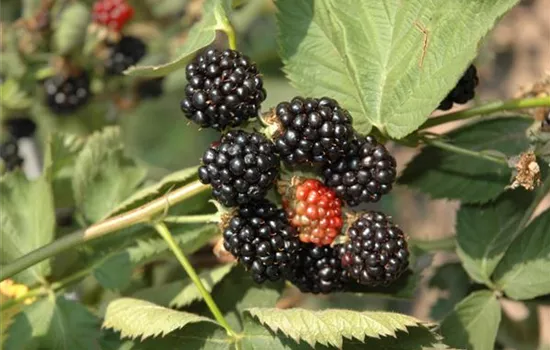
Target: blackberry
(319,270)
(464,90)
(261,238)
(123,54)
(312,130)
(65,95)
(150,88)
(20,127)
(9,152)
(241,168)
(223,89)
(376,252)
(365,173)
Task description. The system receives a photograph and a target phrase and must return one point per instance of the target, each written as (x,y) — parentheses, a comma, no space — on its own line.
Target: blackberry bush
(241,168)
(376,252)
(312,131)
(224,89)
(364,174)
(65,95)
(464,90)
(261,238)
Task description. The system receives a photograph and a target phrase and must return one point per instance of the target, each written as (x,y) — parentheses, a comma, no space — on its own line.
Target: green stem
(191,219)
(75,239)
(167,236)
(455,149)
(488,108)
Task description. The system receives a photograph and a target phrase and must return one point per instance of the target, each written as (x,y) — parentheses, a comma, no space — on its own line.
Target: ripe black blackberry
(123,54)
(312,130)
(464,90)
(20,127)
(319,270)
(376,252)
(261,238)
(364,174)
(65,95)
(241,168)
(9,152)
(223,89)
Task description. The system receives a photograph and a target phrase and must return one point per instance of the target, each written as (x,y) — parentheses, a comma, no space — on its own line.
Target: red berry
(314,210)
(112,13)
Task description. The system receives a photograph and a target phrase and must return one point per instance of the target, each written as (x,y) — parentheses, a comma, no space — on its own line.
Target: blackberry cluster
(9,152)
(464,90)
(20,127)
(261,238)
(241,168)
(123,54)
(365,173)
(319,270)
(64,95)
(313,130)
(376,252)
(224,89)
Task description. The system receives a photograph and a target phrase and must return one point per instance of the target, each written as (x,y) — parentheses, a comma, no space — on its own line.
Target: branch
(132,217)
(455,149)
(488,108)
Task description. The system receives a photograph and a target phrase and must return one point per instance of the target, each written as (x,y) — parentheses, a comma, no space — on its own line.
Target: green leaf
(474,322)
(12,97)
(201,35)
(389,62)
(70,30)
(149,193)
(179,294)
(443,174)
(61,153)
(27,222)
(523,272)
(116,269)
(455,282)
(53,323)
(137,318)
(483,233)
(330,327)
(103,176)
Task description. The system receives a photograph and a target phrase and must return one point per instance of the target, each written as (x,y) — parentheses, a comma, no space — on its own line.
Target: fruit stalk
(167,236)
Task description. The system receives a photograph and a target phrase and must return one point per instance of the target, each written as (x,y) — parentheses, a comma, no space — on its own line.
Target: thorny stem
(167,236)
(455,149)
(132,217)
(488,108)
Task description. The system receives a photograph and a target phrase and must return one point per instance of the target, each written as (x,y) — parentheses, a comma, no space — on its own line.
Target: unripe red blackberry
(241,168)
(313,131)
(64,95)
(9,153)
(313,209)
(366,172)
(376,252)
(319,270)
(464,90)
(224,89)
(260,237)
(112,13)
(123,54)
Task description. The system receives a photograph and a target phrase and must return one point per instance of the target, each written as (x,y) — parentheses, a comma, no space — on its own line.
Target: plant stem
(167,236)
(191,219)
(455,149)
(488,108)
(132,217)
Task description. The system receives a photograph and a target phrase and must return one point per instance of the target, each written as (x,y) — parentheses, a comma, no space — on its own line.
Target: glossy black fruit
(9,152)
(464,90)
(123,54)
(65,95)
